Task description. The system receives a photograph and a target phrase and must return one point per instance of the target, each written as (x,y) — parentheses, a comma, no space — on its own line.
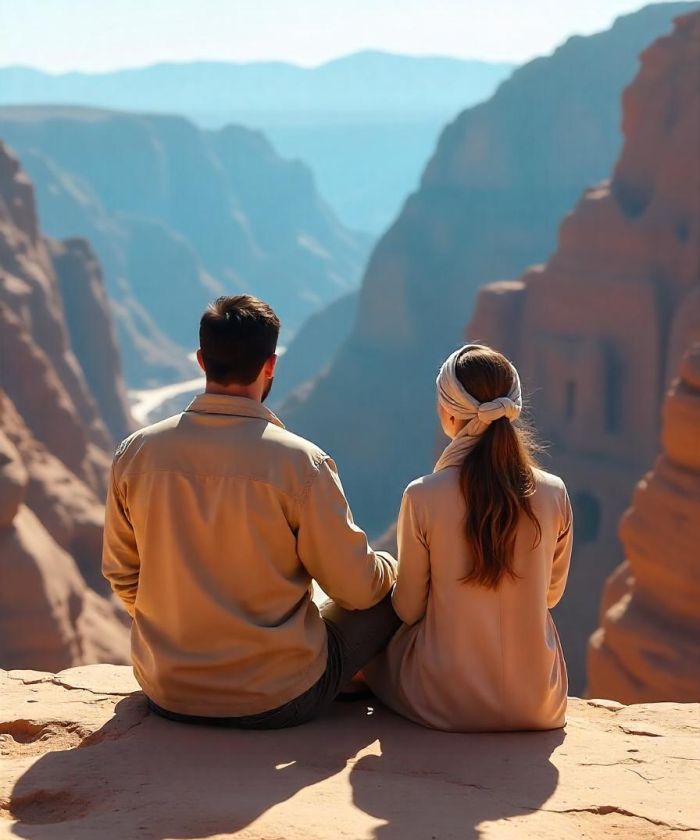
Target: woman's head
(476,386)
(479,397)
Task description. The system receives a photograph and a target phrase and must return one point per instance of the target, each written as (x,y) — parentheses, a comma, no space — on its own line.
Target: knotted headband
(458,402)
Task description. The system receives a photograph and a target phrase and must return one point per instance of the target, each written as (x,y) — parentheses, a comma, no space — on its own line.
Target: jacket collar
(233,406)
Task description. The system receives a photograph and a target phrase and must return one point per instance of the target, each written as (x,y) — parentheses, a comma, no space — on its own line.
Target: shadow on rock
(428,784)
(141,776)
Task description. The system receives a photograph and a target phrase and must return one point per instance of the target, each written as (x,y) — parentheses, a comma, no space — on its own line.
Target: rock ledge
(81,757)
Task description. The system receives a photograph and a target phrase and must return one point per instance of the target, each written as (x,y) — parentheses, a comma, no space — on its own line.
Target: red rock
(648,646)
(48,616)
(595,331)
(54,445)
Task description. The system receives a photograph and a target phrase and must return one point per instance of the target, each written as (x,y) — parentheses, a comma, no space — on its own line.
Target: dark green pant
(355,637)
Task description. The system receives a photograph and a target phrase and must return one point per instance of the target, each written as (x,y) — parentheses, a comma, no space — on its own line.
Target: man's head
(237,343)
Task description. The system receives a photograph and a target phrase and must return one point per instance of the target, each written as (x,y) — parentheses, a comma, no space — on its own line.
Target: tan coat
(470,658)
(217,520)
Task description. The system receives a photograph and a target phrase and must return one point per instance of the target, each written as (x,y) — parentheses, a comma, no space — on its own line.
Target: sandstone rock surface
(595,331)
(81,757)
(56,437)
(648,647)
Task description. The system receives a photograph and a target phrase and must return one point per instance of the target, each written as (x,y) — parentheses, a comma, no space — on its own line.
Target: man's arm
(120,558)
(335,551)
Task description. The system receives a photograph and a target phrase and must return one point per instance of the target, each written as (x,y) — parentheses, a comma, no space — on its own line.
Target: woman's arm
(562,555)
(410,597)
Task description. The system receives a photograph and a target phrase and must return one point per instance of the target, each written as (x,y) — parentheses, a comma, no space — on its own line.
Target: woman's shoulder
(551,487)
(430,486)
(546,479)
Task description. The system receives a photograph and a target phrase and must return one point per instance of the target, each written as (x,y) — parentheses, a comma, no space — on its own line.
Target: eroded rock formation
(617,772)
(648,647)
(502,176)
(596,329)
(56,440)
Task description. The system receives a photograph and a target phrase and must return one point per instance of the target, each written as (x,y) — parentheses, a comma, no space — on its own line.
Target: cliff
(57,436)
(648,645)
(503,175)
(87,759)
(596,329)
(178,216)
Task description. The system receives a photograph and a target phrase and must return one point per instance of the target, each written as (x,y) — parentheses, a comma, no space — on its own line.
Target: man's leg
(359,634)
(355,637)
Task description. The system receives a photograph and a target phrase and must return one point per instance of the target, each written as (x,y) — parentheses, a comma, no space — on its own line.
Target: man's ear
(200,360)
(270,366)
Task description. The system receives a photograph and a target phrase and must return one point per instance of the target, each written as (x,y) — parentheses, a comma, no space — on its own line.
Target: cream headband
(459,403)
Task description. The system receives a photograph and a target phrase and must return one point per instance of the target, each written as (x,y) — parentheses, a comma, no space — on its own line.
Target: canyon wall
(648,646)
(56,439)
(503,175)
(596,330)
(178,216)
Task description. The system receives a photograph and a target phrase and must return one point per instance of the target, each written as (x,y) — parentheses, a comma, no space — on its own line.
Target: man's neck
(233,391)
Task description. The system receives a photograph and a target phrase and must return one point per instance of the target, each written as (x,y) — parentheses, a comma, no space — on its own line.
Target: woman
(484,551)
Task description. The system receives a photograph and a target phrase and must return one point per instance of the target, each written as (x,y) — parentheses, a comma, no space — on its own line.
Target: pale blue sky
(61,35)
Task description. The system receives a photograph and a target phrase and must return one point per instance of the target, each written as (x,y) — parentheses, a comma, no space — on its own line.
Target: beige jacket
(217,521)
(470,658)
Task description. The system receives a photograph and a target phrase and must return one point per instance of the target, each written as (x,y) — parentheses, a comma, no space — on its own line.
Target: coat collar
(233,406)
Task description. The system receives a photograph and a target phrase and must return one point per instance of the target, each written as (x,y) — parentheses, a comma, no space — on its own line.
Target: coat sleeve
(334,551)
(410,597)
(120,557)
(562,555)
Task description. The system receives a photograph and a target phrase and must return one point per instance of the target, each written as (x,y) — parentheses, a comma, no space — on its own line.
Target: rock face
(179,216)
(595,330)
(648,647)
(56,438)
(503,175)
(82,757)
(314,347)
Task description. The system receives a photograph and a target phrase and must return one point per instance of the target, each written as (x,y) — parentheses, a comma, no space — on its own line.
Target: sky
(98,35)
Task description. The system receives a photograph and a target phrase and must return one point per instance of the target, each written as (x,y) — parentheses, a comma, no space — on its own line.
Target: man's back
(217,520)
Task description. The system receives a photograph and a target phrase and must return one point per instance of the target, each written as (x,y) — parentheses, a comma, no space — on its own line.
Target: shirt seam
(239,476)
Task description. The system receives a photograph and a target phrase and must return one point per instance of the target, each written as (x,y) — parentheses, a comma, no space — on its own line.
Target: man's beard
(268,388)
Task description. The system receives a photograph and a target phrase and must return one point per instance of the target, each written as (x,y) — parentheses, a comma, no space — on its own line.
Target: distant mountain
(503,176)
(365,123)
(177,216)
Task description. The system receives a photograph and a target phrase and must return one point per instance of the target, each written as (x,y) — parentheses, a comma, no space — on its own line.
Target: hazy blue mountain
(314,347)
(365,123)
(503,176)
(178,215)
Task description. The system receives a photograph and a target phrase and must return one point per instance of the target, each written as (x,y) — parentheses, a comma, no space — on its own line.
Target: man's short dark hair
(237,335)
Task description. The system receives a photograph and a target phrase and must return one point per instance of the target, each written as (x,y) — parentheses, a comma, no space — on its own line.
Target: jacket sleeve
(410,597)
(334,551)
(562,555)
(120,557)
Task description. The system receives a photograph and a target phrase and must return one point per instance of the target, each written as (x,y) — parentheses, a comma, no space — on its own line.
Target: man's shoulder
(294,445)
(141,437)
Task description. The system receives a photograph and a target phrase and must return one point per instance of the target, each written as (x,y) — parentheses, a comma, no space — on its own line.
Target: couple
(218,520)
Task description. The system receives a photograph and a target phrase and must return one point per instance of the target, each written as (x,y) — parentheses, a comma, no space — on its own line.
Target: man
(217,521)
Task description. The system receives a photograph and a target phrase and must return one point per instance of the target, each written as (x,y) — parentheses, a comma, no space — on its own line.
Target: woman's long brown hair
(497,476)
